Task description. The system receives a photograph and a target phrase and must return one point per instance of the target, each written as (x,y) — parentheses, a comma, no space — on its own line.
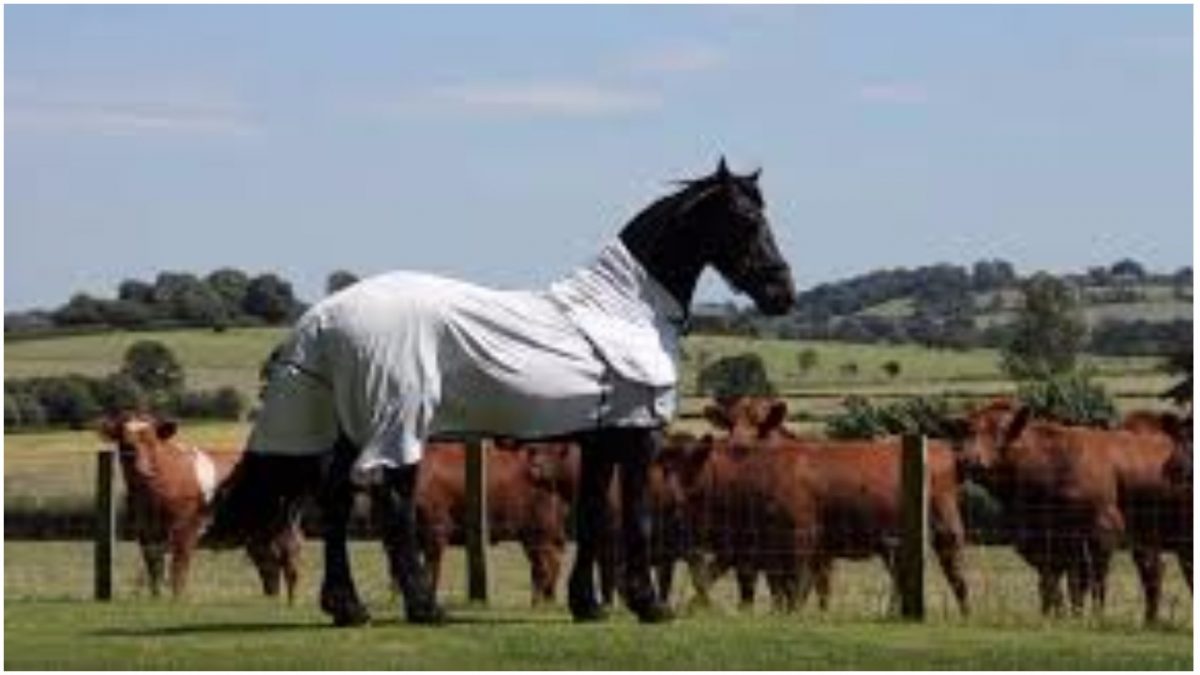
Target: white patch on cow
(206,473)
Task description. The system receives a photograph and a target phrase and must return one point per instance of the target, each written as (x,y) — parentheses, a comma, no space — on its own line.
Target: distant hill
(1128,310)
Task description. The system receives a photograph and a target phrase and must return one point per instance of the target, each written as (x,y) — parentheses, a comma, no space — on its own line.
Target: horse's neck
(666,248)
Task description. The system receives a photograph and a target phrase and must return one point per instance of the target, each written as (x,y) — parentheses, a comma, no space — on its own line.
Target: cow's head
(1178,467)
(682,461)
(136,435)
(748,419)
(986,433)
(554,467)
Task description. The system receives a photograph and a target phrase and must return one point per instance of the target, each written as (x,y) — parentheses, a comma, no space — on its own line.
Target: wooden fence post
(476,524)
(105,528)
(914,528)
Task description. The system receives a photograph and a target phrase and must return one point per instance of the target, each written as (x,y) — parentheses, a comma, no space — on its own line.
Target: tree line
(224,298)
(150,378)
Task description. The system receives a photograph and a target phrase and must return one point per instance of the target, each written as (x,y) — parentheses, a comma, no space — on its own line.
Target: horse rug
(398,357)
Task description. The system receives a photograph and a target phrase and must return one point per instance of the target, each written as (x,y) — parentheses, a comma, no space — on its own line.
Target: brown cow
(1073,493)
(169,489)
(529,490)
(856,491)
(751,502)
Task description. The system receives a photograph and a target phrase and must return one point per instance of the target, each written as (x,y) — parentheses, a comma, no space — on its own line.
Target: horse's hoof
(588,613)
(345,609)
(428,615)
(654,613)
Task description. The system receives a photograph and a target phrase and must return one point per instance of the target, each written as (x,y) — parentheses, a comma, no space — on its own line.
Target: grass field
(223,623)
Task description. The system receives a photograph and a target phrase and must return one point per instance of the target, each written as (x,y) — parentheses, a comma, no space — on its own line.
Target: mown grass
(222,623)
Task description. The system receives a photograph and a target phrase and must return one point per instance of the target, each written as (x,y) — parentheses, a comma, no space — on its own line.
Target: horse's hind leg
(395,501)
(339,598)
(596,470)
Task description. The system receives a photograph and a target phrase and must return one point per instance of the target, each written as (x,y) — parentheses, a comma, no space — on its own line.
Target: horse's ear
(723,169)
(165,429)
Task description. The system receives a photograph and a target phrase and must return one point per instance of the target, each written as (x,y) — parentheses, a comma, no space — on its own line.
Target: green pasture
(233,357)
(223,623)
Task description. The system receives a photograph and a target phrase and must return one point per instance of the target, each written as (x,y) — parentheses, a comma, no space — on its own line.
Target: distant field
(210,359)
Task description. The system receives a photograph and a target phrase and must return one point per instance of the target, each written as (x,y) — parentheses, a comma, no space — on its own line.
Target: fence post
(105,528)
(914,504)
(476,521)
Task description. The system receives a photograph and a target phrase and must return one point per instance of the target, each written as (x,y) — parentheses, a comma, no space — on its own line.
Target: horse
(370,372)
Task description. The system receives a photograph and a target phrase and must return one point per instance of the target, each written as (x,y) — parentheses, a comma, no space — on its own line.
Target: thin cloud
(549,98)
(679,59)
(128,120)
(125,109)
(902,93)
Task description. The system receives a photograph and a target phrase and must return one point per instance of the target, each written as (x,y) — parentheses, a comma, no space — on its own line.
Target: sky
(505,145)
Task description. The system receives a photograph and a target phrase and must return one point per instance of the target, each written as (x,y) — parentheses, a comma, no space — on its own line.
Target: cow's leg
(538,553)
(950,558)
(664,577)
(1184,553)
(1148,560)
(397,501)
(747,576)
(636,449)
(704,573)
(289,552)
(182,544)
(339,597)
(596,470)
(267,562)
(817,574)
(1050,590)
(154,554)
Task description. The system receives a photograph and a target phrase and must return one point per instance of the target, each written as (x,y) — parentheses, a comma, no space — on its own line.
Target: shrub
(1070,399)
(927,415)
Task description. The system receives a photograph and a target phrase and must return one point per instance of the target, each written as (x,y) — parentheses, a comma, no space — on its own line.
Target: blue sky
(505,145)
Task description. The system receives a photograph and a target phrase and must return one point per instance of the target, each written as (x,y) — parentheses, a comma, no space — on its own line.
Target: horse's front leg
(339,598)
(591,517)
(395,507)
(636,449)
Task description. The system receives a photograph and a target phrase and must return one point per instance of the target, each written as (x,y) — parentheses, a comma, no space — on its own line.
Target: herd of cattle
(757,499)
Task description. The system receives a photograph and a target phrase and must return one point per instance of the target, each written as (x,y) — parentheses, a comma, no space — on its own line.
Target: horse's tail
(263,495)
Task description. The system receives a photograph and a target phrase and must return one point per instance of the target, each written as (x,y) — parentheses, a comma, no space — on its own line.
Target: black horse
(717,220)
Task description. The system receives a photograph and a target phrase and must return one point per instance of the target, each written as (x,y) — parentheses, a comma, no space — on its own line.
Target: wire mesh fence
(49,515)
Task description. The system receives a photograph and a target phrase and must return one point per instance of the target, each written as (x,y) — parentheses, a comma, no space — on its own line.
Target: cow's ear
(717,416)
(1171,424)
(775,417)
(1016,426)
(109,429)
(165,429)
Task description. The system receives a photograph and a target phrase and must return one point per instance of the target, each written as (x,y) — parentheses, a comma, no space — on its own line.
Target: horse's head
(717,220)
(742,245)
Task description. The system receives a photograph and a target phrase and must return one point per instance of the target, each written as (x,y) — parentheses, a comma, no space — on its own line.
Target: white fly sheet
(396,358)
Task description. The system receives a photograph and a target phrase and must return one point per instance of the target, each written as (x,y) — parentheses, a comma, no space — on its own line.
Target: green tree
(741,375)
(153,367)
(892,369)
(230,285)
(338,280)
(806,360)
(269,298)
(1048,332)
